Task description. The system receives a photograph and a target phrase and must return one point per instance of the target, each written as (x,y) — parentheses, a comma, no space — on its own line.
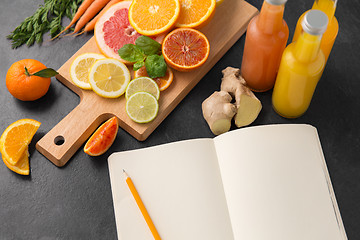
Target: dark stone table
(75,202)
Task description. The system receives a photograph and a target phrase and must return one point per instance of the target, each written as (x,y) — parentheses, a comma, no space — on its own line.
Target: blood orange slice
(162,82)
(185,49)
(102,138)
(113,30)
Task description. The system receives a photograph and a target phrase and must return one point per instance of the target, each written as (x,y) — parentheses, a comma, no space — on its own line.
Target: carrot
(83,7)
(90,13)
(90,26)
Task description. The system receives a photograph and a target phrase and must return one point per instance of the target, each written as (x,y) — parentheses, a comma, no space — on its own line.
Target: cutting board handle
(61,142)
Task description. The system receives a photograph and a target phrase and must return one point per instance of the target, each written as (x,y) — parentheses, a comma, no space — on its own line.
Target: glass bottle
(266,38)
(328,39)
(301,67)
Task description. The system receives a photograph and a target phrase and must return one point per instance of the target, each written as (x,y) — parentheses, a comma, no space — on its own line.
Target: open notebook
(257,183)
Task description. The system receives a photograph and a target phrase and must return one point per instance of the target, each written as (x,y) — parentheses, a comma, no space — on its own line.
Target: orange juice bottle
(301,67)
(266,38)
(328,39)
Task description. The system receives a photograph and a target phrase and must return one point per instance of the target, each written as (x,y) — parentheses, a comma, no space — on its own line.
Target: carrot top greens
(48,17)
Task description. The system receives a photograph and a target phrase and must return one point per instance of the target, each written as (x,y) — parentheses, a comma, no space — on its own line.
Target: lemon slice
(143,84)
(142,107)
(80,67)
(109,77)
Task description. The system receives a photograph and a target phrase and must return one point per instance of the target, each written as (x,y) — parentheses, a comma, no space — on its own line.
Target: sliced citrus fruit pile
(153,17)
(113,31)
(142,84)
(102,138)
(109,77)
(195,13)
(80,67)
(142,107)
(162,82)
(14,144)
(185,49)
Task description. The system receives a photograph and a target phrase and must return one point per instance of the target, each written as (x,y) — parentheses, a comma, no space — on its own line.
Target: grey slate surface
(74,202)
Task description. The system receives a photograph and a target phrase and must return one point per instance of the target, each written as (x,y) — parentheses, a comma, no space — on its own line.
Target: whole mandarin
(22,84)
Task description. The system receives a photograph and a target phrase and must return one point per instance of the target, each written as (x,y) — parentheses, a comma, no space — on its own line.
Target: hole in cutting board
(59,140)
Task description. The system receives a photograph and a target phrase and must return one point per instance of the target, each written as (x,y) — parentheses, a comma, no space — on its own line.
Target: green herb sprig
(146,52)
(48,17)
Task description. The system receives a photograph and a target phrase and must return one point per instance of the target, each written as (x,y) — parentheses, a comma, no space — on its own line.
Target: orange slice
(15,139)
(22,166)
(185,49)
(195,13)
(153,17)
(162,82)
(102,138)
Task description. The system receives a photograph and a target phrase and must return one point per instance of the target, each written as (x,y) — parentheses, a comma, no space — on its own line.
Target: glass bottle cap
(315,22)
(276,2)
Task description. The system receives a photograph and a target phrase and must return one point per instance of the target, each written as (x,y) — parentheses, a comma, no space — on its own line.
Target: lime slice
(109,77)
(142,84)
(142,107)
(80,67)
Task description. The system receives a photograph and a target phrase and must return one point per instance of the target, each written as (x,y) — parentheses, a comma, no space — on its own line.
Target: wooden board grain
(61,142)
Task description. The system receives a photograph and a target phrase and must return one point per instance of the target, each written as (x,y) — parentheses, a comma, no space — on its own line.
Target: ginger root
(247,104)
(218,110)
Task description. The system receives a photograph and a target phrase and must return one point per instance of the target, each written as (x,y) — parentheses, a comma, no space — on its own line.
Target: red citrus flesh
(113,30)
(102,138)
(185,49)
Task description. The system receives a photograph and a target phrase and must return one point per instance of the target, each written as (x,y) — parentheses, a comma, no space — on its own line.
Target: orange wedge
(22,166)
(102,138)
(162,82)
(15,139)
(195,13)
(185,49)
(153,17)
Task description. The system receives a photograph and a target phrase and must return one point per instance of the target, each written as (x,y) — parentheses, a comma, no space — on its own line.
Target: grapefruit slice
(113,31)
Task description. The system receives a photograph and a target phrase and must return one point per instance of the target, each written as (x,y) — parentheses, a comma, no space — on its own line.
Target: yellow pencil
(141,207)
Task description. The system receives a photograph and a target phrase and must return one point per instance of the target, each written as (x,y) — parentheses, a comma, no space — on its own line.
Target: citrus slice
(113,30)
(162,82)
(22,166)
(185,49)
(80,67)
(218,2)
(102,138)
(142,107)
(109,77)
(195,13)
(15,139)
(153,17)
(142,84)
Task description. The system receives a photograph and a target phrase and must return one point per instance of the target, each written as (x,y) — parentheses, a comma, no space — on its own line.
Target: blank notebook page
(275,184)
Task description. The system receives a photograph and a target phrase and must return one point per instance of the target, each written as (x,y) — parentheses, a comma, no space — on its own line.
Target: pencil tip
(123,170)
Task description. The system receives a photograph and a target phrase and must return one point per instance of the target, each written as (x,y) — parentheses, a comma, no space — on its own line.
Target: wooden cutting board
(60,143)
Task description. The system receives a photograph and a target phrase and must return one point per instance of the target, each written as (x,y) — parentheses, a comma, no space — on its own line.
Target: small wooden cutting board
(60,143)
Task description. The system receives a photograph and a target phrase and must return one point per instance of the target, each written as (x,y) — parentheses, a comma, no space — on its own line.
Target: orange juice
(301,67)
(328,39)
(265,42)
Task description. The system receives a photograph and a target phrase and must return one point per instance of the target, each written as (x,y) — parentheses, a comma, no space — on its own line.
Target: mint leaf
(46,73)
(131,53)
(148,45)
(138,65)
(155,66)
